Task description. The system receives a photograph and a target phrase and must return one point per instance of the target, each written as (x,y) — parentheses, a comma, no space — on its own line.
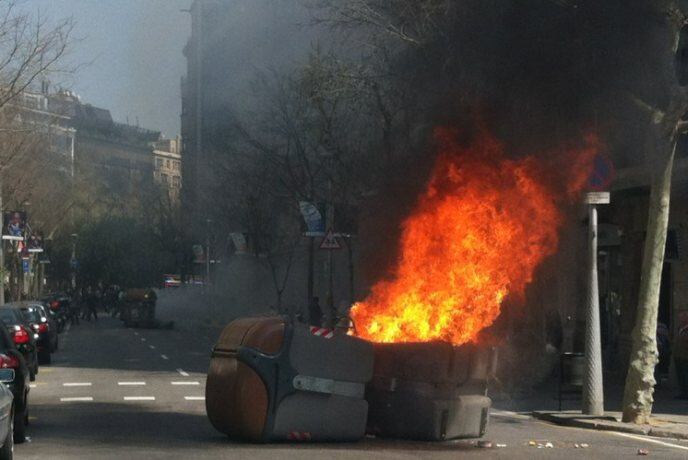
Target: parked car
(6,415)
(12,358)
(43,325)
(22,335)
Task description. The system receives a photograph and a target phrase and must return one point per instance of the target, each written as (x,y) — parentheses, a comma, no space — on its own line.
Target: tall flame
(477,234)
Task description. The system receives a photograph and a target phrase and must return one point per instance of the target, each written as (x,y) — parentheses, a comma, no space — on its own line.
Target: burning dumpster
(430,391)
(137,308)
(273,380)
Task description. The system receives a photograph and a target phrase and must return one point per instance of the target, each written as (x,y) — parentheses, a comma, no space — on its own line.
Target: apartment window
(165,179)
(158,163)
(175,181)
(176,166)
(167,164)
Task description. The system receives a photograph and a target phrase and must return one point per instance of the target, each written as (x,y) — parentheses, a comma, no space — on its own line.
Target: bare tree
(666,126)
(30,48)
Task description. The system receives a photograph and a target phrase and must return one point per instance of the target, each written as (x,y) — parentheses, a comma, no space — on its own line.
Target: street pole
(2,253)
(73,261)
(207,253)
(207,268)
(593,389)
(330,260)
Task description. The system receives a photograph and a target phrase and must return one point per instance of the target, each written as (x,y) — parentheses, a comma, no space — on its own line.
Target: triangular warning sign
(330,241)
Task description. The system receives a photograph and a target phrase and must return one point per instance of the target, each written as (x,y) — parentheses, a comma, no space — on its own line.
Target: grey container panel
(342,357)
(324,417)
(408,416)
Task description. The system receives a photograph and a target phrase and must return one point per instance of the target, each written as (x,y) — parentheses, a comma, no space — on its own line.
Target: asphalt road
(116,393)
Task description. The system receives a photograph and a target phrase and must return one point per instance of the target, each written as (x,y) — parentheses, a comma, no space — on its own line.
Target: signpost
(593,389)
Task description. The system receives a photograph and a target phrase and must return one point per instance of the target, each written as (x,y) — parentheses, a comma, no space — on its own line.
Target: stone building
(168,167)
(117,155)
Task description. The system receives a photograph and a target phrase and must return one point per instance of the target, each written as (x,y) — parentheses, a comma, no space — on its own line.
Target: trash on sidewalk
(643,452)
(274,380)
(581,446)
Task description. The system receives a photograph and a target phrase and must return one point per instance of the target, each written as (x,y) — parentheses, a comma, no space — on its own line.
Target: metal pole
(593,392)
(207,254)
(2,254)
(330,260)
(73,261)
(206,285)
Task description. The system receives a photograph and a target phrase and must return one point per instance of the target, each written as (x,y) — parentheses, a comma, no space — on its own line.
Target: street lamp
(207,251)
(72,262)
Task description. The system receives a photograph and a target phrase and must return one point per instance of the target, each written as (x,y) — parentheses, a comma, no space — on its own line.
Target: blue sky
(129,54)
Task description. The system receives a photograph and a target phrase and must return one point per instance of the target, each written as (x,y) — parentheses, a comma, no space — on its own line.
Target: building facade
(168,167)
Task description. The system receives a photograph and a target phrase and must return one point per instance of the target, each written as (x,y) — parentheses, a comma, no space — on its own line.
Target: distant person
(315,314)
(681,356)
(91,300)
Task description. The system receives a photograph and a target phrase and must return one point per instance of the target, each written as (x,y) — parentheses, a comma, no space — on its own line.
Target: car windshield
(31,314)
(8,317)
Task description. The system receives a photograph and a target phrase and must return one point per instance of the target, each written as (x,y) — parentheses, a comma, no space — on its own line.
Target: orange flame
(476,235)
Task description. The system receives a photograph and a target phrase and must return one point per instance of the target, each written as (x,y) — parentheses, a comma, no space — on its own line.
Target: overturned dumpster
(274,380)
(430,391)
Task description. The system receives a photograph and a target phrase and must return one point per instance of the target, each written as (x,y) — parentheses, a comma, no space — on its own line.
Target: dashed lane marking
(77,384)
(152,347)
(131,384)
(32,385)
(194,398)
(186,383)
(139,398)
(136,333)
(183,373)
(77,399)
(164,357)
(143,339)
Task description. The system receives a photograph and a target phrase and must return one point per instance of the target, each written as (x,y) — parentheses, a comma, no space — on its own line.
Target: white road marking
(152,347)
(131,384)
(143,339)
(77,384)
(32,385)
(164,357)
(77,399)
(186,383)
(136,333)
(68,327)
(650,440)
(182,373)
(194,398)
(139,398)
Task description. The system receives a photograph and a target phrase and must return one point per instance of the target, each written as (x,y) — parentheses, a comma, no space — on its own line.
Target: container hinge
(329,386)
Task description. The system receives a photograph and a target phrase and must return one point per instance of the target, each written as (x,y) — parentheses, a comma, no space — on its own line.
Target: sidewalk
(662,425)
(670,415)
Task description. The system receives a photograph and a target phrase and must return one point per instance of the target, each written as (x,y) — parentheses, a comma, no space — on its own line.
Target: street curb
(609,424)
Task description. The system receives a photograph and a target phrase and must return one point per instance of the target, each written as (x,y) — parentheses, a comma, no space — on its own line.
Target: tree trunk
(640,380)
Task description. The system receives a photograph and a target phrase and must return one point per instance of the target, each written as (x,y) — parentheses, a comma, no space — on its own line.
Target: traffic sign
(597,198)
(603,173)
(330,241)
